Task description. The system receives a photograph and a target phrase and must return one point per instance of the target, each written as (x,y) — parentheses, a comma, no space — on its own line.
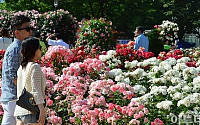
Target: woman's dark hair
(36,34)
(29,46)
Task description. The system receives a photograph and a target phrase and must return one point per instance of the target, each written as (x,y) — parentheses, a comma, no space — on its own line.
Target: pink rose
(49,102)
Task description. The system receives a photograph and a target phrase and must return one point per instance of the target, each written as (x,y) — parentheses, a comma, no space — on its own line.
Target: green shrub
(96,34)
(155,43)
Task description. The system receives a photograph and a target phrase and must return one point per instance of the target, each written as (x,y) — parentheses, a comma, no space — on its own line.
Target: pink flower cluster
(111,113)
(54,119)
(157,122)
(123,88)
(85,108)
(58,52)
(49,73)
(89,66)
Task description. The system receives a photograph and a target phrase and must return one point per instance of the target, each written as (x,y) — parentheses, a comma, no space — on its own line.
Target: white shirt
(5,42)
(59,42)
(35,81)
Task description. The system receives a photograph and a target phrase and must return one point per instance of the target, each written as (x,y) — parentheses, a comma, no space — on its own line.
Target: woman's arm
(42,114)
(37,91)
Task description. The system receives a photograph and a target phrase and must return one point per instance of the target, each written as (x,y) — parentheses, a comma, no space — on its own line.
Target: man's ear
(16,32)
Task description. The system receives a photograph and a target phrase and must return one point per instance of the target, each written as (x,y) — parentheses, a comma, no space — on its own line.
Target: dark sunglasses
(28,29)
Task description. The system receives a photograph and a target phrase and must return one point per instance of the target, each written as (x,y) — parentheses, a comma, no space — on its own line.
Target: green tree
(125,14)
(185,13)
(39,5)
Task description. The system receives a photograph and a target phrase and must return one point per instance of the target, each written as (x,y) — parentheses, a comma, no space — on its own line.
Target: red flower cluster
(2,52)
(1,62)
(177,54)
(191,64)
(127,53)
(80,55)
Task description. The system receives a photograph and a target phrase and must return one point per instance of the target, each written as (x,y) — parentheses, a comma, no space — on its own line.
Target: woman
(30,73)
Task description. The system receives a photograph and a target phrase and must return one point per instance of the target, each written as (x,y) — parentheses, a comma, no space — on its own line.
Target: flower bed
(119,87)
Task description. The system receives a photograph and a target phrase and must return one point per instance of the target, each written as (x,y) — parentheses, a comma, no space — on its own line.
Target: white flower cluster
(180,66)
(169,27)
(190,99)
(138,73)
(145,99)
(177,81)
(130,64)
(158,80)
(190,72)
(139,89)
(110,59)
(115,72)
(164,105)
(124,77)
(110,54)
(113,62)
(157,69)
(155,90)
(167,64)
(183,60)
(198,63)
(196,84)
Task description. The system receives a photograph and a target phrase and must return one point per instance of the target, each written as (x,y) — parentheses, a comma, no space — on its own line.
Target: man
(12,59)
(56,42)
(141,40)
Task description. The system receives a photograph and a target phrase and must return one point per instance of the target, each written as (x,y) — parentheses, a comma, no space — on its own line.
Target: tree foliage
(186,13)
(125,14)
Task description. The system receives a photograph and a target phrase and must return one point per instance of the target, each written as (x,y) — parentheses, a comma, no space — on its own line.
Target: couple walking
(19,60)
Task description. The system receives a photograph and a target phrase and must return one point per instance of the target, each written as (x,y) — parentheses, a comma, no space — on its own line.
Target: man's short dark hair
(18,20)
(140,28)
(58,35)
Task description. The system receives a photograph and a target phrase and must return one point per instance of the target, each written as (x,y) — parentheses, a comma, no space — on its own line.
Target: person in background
(12,59)
(56,42)
(5,39)
(141,40)
(37,35)
(31,72)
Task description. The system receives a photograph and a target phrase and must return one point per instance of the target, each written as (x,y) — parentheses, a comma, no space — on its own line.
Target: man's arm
(50,41)
(49,37)
(14,60)
(137,46)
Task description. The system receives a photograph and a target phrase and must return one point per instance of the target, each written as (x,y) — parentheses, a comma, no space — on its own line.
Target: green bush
(45,23)
(96,34)
(66,25)
(155,43)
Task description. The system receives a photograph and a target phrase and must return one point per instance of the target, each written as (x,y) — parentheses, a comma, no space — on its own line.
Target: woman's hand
(42,114)
(42,118)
